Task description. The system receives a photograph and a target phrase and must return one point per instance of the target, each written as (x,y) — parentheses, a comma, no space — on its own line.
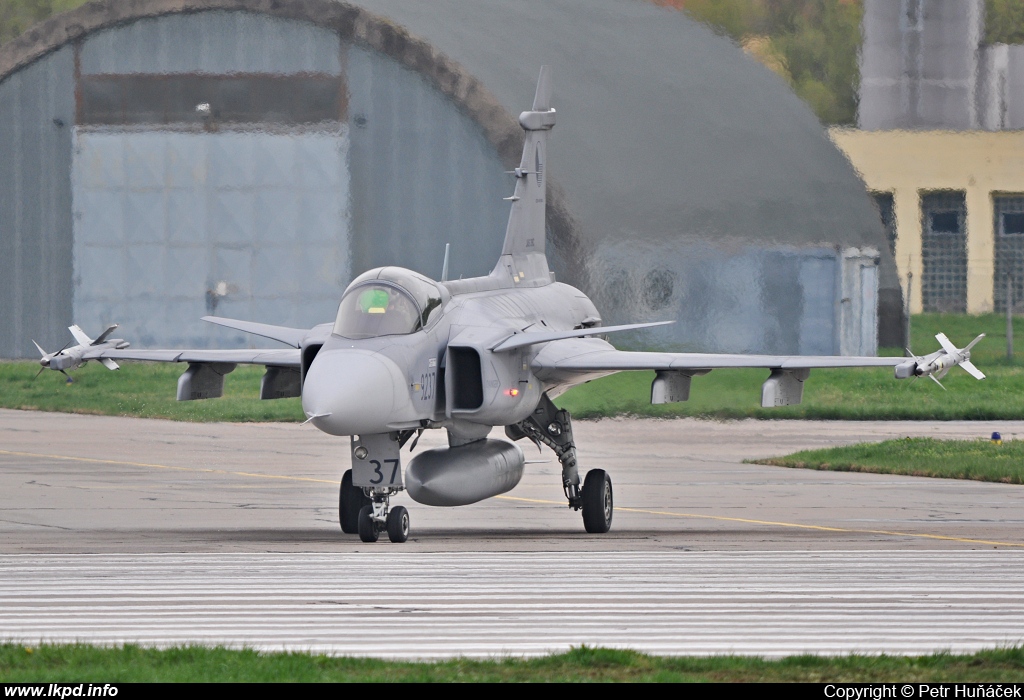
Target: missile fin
(972,370)
(972,343)
(946,344)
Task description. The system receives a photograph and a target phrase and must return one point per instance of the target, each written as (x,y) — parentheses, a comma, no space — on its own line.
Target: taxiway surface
(118,529)
(71,483)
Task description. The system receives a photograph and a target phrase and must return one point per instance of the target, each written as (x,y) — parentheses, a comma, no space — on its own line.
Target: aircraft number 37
(380,471)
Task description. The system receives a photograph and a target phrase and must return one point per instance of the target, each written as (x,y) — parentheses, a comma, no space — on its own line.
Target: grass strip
(130,663)
(978,460)
(142,389)
(148,389)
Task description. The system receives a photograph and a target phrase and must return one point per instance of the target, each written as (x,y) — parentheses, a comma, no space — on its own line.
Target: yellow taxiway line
(777,523)
(538,501)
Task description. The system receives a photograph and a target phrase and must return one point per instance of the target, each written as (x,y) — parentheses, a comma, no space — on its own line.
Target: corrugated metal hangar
(165,159)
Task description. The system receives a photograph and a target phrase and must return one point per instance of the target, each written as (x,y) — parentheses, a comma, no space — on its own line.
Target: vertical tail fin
(523,258)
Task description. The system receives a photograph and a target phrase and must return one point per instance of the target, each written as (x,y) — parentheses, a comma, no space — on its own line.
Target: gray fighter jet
(407,353)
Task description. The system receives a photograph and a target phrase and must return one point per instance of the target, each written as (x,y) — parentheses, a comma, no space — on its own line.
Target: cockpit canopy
(389,301)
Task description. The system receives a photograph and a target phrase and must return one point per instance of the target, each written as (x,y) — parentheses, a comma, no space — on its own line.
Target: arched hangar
(164,159)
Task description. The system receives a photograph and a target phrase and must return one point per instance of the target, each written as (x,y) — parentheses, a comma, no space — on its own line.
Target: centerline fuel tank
(458,476)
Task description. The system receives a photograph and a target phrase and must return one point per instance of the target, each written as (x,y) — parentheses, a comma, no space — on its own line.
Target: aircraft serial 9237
(407,353)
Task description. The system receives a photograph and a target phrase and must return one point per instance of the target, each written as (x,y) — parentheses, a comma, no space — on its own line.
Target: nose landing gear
(366,489)
(377,517)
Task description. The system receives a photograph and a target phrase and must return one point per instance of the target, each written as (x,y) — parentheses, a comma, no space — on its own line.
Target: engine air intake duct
(458,476)
(466,378)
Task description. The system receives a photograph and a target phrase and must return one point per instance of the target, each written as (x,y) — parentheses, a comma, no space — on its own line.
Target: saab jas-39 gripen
(407,353)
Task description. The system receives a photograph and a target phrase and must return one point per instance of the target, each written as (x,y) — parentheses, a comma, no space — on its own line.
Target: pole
(1009,318)
(910,285)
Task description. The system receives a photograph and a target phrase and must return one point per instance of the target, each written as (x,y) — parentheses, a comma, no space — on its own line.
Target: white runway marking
(421,605)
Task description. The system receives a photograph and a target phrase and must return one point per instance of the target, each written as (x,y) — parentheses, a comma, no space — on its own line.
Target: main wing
(563,363)
(204,378)
(283,357)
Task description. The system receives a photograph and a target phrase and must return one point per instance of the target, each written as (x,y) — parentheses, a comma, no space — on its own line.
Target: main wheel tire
(367,528)
(598,506)
(398,524)
(350,501)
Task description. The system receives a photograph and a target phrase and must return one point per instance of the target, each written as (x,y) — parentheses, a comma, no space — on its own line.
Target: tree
(16,16)
(812,44)
(1004,22)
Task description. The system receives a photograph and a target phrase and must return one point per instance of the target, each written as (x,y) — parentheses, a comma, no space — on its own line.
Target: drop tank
(458,476)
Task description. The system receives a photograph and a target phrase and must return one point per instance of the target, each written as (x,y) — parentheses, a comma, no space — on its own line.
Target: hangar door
(209,177)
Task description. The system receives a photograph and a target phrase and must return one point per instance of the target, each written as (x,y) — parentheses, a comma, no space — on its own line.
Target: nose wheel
(375,518)
(398,524)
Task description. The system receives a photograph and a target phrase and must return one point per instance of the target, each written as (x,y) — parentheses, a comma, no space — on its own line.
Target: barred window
(1009,230)
(944,251)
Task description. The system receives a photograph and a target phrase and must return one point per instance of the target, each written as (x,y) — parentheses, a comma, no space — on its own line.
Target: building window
(1009,230)
(887,213)
(196,99)
(944,251)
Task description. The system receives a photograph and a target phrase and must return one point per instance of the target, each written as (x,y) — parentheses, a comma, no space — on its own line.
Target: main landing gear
(553,427)
(597,501)
(371,515)
(350,501)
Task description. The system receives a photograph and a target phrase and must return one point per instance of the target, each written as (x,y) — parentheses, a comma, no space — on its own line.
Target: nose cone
(350,392)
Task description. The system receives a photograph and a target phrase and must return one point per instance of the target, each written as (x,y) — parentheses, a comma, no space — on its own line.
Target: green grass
(139,389)
(980,460)
(82,663)
(148,390)
(839,394)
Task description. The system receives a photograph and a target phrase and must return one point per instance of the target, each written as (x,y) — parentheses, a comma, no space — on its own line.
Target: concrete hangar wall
(163,159)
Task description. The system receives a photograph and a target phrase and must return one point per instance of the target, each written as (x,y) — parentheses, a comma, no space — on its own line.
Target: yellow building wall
(909,163)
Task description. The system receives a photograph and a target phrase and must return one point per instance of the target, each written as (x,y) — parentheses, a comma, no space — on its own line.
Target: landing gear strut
(553,427)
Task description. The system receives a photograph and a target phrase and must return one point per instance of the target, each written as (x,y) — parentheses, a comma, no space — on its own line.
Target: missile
(941,361)
(72,357)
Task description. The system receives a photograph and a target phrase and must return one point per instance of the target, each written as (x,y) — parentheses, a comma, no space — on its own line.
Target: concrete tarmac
(394,602)
(160,533)
(91,484)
